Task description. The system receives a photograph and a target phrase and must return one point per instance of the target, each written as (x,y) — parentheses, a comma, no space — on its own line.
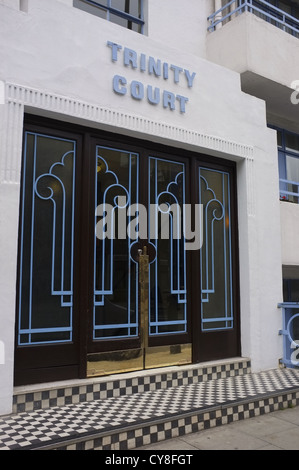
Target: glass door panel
(216,262)
(106,283)
(126,330)
(47,241)
(46,334)
(115,271)
(168,291)
(217,297)
(168,325)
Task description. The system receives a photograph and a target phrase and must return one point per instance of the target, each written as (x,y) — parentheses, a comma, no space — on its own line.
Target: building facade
(148,185)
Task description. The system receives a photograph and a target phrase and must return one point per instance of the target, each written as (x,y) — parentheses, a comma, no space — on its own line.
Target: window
(126,13)
(288,155)
(291,290)
(276,15)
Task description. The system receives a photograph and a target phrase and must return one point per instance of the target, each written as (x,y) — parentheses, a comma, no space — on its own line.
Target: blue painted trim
(283,153)
(168,323)
(101,293)
(50,174)
(288,305)
(207,269)
(289,345)
(177,245)
(62,292)
(217,319)
(288,22)
(210,289)
(44,330)
(115,325)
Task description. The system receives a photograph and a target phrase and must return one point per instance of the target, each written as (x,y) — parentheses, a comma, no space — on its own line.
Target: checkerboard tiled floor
(58,425)
(125,384)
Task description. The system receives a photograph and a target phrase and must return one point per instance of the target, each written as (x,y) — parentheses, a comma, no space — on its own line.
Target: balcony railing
(290,332)
(260,8)
(289,191)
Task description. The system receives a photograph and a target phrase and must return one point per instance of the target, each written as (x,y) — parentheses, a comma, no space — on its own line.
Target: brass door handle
(144,296)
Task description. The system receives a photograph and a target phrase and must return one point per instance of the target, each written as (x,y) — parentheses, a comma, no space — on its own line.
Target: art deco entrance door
(139,285)
(106,283)
(47,308)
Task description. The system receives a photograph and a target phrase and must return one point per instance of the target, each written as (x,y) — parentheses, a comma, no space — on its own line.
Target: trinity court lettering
(154,67)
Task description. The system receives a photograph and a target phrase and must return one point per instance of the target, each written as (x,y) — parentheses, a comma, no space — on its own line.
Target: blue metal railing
(285,194)
(290,332)
(262,8)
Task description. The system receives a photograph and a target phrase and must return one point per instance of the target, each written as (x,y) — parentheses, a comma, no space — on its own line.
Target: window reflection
(216,257)
(126,13)
(288,159)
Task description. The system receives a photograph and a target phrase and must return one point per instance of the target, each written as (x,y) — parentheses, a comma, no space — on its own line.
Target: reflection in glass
(132,7)
(292,142)
(115,271)
(168,296)
(216,262)
(291,290)
(294,329)
(47,240)
(292,172)
(90,8)
(126,13)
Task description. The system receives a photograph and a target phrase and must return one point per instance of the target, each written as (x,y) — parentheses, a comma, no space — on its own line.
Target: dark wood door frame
(202,349)
(215,345)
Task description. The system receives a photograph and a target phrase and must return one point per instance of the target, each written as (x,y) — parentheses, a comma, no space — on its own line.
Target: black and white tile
(99,422)
(108,388)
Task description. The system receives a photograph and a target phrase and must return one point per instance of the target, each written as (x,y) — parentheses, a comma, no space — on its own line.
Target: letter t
(115,48)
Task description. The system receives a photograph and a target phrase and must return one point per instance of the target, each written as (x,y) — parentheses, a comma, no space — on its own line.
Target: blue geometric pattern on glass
(166,184)
(216,256)
(47,240)
(114,317)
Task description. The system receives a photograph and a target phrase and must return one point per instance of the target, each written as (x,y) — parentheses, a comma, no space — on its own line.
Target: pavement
(278,430)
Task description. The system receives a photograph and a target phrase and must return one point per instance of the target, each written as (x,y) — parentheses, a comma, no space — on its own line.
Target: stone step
(130,421)
(43,396)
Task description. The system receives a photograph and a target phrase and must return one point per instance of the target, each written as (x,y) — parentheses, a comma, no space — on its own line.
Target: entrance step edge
(135,420)
(43,396)
(134,437)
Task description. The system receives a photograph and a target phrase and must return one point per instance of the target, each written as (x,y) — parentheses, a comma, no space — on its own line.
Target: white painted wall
(15,4)
(260,263)
(58,50)
(9,201)
(181,25)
